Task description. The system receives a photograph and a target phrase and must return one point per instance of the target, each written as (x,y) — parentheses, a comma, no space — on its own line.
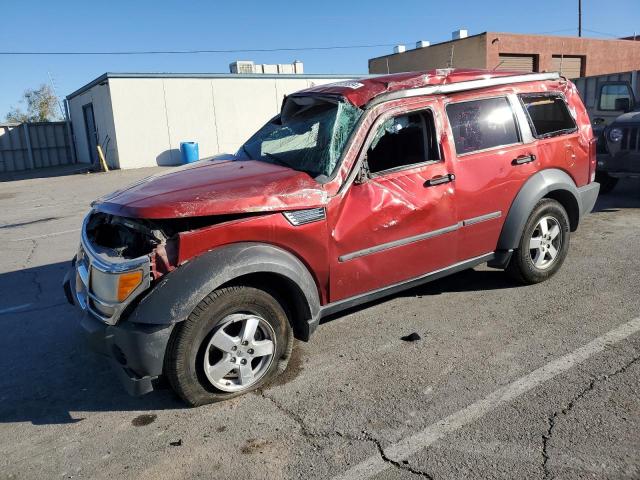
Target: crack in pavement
(566,409)
(365,437)
(33,274)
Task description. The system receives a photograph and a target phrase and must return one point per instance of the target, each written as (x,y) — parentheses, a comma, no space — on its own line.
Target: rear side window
(482,124)
(548,115)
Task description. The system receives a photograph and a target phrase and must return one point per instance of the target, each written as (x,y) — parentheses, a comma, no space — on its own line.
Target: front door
(91,131)
(400,222)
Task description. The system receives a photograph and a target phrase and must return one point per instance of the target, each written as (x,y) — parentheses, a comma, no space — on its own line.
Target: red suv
(356,190)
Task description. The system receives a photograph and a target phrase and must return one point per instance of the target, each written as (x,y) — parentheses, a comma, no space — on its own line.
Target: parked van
(355,191)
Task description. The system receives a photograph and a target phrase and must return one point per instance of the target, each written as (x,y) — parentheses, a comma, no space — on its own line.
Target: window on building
(548,115)
(616,96)
(481,124)
(402,141)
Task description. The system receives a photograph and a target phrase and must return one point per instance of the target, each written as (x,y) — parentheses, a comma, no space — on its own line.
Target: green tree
(41,106)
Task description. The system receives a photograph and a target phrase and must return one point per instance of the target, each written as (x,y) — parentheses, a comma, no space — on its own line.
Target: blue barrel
(189,152)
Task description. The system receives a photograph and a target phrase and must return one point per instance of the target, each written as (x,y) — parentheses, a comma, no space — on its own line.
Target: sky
(115,25)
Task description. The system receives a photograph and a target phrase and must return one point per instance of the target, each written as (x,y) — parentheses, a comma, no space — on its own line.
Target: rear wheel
(544,243)
(606,181)
(234,341)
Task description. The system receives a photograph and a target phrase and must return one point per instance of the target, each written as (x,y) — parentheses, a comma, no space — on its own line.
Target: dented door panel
(376,229)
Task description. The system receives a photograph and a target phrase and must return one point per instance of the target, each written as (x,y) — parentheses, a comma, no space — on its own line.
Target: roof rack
(462,86)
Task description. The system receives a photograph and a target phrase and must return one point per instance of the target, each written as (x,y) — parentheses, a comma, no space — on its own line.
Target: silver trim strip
(462,86)
(481,218)
(416,238)
(339,305)
(399,243)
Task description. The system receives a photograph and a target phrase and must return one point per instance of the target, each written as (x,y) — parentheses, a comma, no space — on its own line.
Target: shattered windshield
(309,135)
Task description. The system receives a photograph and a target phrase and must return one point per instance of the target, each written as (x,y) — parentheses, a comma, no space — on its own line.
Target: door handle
(440,179)
(522,159)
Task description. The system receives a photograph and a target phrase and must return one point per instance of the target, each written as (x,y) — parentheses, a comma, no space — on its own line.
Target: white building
(140,119)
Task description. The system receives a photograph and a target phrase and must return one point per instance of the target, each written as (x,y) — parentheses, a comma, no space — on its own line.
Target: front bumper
(618,165)
(135,350)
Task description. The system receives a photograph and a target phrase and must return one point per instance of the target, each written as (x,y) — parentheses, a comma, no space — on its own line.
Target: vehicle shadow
(49,374)
(626,194)
(466,281)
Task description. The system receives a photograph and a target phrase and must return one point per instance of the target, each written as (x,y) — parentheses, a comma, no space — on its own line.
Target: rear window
(482,124)
(548,115)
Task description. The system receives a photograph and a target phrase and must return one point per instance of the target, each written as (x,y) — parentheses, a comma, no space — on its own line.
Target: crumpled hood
(214,188)
(629,117)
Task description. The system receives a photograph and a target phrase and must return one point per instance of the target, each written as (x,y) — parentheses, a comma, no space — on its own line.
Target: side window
(404,140)
(548,115)
(616,96)
(481,124)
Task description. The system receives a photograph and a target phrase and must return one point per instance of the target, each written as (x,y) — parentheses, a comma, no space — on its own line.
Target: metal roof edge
(285,76)
(462,86)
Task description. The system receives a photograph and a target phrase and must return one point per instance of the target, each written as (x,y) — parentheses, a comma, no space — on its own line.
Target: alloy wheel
(545,242)
(239,352)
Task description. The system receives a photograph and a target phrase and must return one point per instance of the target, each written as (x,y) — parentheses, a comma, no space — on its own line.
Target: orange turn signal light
(127,283)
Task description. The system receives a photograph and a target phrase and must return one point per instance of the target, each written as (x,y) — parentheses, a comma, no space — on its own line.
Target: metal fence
(28,146)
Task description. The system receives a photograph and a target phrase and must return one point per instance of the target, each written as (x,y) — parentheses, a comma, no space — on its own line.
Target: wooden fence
(28,146)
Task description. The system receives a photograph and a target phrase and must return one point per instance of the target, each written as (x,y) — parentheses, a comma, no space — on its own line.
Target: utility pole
(579,18)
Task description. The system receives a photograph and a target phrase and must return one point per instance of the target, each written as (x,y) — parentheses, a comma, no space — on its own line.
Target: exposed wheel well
(286,292)
(570,204)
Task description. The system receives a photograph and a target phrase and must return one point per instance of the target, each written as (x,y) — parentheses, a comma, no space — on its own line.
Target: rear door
(493,158)
(400,222)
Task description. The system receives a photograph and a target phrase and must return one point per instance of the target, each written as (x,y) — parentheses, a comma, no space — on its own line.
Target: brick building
(572,56)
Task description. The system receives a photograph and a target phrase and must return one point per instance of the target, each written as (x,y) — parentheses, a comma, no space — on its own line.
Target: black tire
(521,266)
(184,360)
(606,181)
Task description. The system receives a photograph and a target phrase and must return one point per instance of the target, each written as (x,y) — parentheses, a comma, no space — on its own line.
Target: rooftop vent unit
(458,34)
(422,44)
(242,66)
(399,49)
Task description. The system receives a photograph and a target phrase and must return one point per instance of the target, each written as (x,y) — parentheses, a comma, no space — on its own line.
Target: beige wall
(469,52)
(600,56)
(99,96)
(153,115)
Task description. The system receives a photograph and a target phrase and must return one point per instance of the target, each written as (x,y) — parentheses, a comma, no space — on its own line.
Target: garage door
(570,67)
(521,63)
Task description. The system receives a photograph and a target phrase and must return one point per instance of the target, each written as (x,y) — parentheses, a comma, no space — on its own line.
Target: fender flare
(536,187)
(178,292)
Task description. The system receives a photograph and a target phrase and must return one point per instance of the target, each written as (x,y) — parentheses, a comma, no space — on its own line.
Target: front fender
(178,292)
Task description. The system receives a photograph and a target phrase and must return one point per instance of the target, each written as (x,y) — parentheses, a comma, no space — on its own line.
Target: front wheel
(234,341)
(544,243)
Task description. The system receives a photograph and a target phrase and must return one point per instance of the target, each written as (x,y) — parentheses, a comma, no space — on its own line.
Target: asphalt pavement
(506,381)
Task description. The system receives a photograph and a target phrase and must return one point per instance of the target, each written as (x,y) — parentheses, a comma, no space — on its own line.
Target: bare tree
(41,106)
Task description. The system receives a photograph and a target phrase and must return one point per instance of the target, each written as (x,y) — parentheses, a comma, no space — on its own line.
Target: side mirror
(623,104)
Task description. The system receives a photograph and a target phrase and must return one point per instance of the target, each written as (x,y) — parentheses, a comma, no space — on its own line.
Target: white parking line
(411,445)
(53,234)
